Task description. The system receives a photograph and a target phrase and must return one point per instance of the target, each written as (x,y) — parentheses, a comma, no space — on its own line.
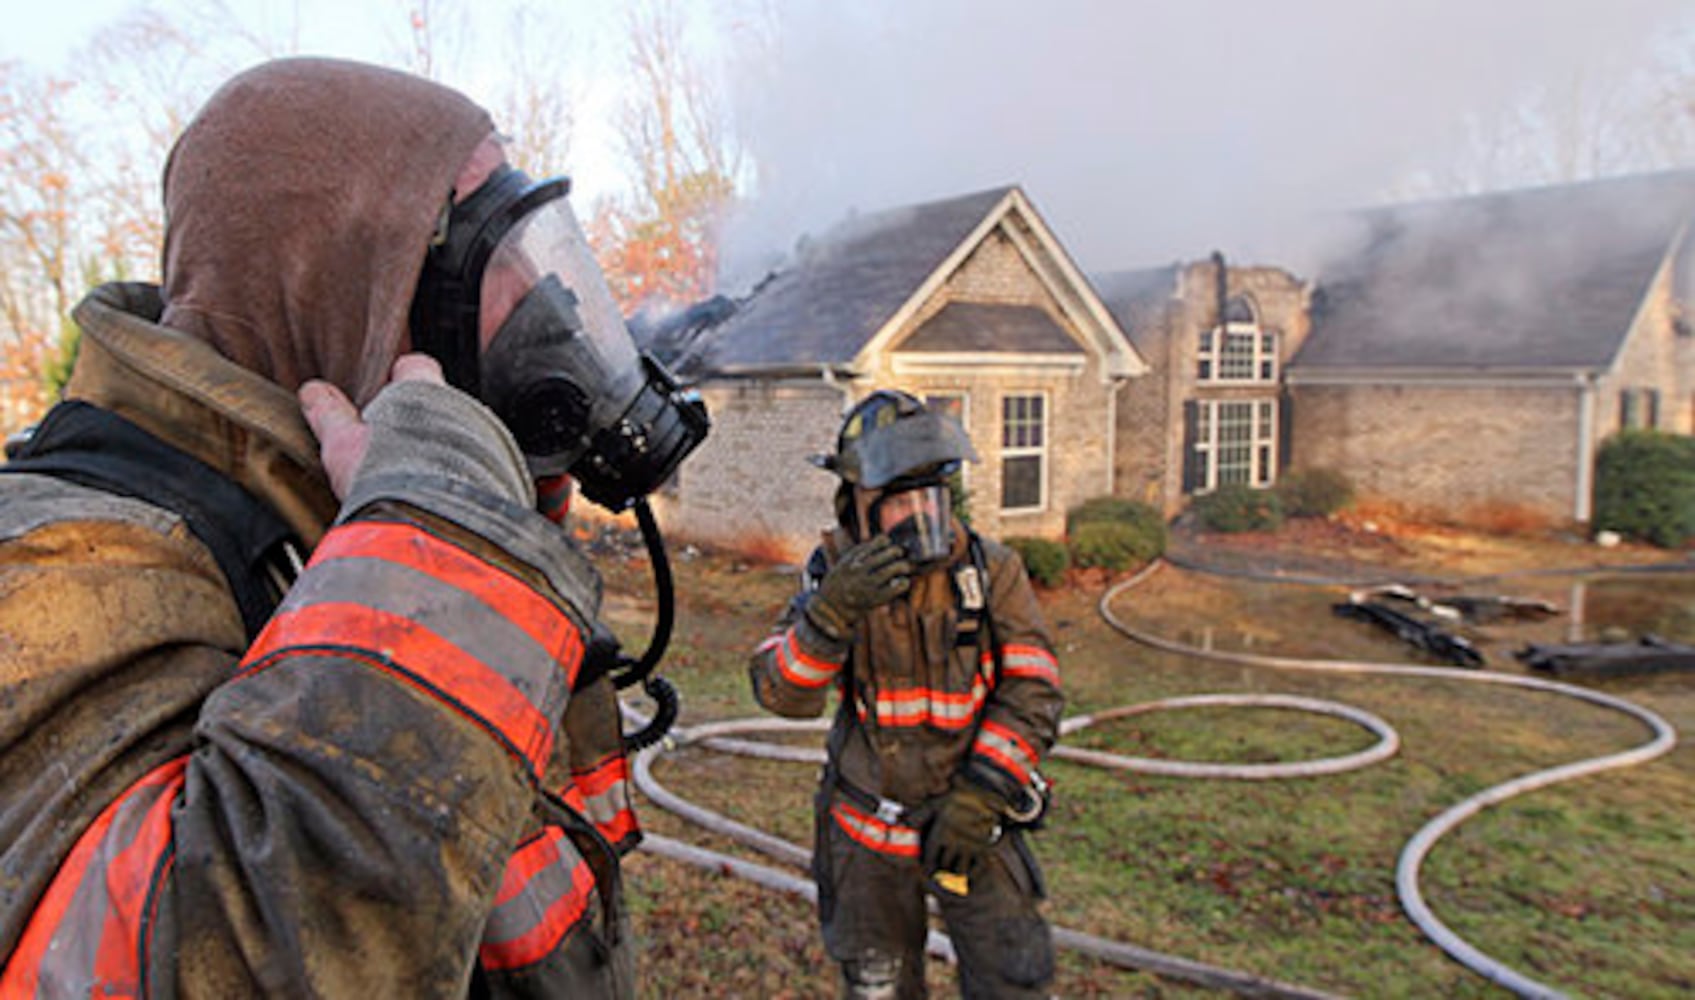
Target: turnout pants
(872,908)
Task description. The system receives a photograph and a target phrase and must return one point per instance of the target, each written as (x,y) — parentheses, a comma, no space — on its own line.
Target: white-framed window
(1024,451)
(1639,409)
(1239,350)
(1235,441)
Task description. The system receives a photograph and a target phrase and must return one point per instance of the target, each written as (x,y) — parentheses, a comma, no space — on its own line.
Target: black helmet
(890,438)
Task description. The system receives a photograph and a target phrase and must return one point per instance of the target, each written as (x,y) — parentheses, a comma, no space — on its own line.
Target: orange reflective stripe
(416,549)
(87,929)
(411,652)
(884,838)
(926,706)
(1031,662)
(604,794)
(1007,749)
(799,667)
(612,769)
(540,901)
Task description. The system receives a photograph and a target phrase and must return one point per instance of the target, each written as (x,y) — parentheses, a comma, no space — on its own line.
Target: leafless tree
(1592,123)
(534,106)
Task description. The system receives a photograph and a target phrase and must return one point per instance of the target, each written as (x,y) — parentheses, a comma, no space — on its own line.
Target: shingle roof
(1541,278)
(985,326)
(1131,295)
(842,288)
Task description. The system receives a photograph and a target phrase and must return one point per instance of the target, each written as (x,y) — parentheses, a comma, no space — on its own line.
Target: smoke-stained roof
(840,289)
(1133,298)
(1542,278)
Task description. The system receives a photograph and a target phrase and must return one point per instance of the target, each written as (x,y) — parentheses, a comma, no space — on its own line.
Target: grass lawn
(1588,886)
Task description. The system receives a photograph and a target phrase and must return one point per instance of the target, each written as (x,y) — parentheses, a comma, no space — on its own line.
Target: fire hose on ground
(722,736)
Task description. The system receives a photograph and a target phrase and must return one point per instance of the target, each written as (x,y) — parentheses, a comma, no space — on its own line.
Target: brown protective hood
(299,204)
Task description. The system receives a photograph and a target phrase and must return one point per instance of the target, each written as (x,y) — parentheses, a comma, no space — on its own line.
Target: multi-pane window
(1639,408)
(1023,451)
(1235,442)
(1239,352)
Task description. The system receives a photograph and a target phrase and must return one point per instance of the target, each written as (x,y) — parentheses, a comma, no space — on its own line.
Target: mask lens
(547,242)
(919,520)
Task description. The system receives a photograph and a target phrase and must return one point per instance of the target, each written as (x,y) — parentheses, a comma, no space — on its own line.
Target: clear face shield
(919,520)
(548,350)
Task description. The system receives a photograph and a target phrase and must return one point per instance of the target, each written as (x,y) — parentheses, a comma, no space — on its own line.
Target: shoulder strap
(84,444)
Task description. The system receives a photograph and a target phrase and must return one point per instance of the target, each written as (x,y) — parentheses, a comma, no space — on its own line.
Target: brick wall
(1079,403)
(1444,451)
(1149,465)
(749,485)
(1655,356)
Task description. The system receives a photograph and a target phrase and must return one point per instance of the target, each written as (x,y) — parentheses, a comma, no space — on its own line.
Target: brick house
(1462,358)
(971,303)
(1211,410)
(1477,351)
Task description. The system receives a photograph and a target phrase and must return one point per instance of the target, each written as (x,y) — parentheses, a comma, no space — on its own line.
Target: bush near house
(959,496)
(1645,487)
(1108,545)
(1314,492)
(1044,559)
(1237,507)
(1113,533)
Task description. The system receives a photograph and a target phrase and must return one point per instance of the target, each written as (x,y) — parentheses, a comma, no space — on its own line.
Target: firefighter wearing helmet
(948,699)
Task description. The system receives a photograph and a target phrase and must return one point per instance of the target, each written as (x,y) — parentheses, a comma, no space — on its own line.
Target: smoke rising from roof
(1145,132)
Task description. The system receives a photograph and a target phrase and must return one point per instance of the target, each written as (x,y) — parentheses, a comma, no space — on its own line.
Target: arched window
(1240,350)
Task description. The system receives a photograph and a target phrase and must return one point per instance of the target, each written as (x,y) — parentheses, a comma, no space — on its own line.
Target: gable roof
(1546,278)
(841,288)
(991,326)
(845,295)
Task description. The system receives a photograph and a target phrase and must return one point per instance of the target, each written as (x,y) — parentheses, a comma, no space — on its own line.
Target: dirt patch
(1359,548)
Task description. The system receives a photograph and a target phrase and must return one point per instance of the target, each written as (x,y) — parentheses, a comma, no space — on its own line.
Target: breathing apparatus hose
(629,671)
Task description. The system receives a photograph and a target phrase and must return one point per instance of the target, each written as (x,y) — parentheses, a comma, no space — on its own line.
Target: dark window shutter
(1285,431)
(1191,471)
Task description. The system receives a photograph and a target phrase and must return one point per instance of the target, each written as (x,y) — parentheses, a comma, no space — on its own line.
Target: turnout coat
(391,787)
(958,674)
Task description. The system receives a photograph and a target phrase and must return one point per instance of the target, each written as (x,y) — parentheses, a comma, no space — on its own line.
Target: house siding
(1079,402)
(749,486)
(1654,356)
(1450,453)
(1150,460)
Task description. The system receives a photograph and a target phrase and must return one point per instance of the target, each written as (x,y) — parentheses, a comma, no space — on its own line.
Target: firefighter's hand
(967,825)
(343,437)
(867,576)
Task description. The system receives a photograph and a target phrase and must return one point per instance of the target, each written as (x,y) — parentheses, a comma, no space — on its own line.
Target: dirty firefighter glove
(967,824)
(869,575)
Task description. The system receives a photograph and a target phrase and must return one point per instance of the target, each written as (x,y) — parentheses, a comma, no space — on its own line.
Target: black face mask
(925,532)
(561,370)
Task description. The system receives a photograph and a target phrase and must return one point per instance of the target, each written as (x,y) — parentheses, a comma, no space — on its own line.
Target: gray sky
(1145,131)
(1148,131)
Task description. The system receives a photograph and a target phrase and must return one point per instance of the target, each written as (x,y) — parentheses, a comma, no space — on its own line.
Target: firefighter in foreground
(948,699)
(392,771)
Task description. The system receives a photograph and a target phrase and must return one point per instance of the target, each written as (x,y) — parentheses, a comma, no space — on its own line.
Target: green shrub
(1645,487)
(959,496)
(1110,545)
(1314,492)
(1139,532)
(1236,507)
(1109,509)
(1045,560)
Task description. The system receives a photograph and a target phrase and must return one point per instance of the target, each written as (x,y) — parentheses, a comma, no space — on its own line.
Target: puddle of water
(1663,605)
